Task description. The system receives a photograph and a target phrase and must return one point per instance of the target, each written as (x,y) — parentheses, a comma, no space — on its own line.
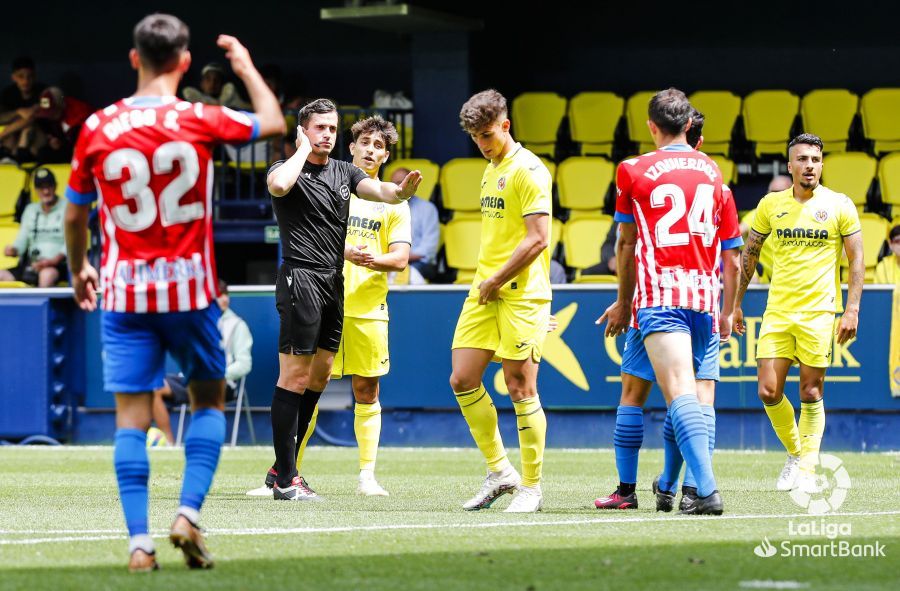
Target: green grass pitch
(61,526)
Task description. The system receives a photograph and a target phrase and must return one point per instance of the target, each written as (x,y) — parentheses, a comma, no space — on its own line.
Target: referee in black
(311,201)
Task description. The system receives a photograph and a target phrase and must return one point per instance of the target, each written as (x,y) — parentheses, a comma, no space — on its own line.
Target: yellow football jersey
(377,225)
(807,240)
(519,186)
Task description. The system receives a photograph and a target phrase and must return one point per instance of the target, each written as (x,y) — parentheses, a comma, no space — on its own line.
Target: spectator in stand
(237,342)
(888,269)
(426,233)
(214,90)
(18,102)
(40,243)
(607,264)
(60,118)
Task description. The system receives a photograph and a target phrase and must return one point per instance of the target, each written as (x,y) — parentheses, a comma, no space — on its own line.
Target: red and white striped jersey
(728,237)
(148,163)
(674,195)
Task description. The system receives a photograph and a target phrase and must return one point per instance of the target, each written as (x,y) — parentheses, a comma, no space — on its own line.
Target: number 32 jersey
(148,163)
(674,196)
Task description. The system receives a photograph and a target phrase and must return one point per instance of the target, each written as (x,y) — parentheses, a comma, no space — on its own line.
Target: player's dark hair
(23,62)
(895,231)
(375,124)
(807,138)
(693,134)
(670,110)
(484,108)
(160,39)
(319,106)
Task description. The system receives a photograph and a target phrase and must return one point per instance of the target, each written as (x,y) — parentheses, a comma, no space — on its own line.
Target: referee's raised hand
(408,187)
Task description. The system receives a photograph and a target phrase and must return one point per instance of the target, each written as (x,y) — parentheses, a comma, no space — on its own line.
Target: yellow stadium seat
(850,173)
(7,236)
(583,182)
(729,170)
(583,239)
(720,110)
(556,227)
(593,118)
(430,173)
(12,181)
(461,183)
(768,117)
(582,278)
(536,117)
(61,172)
(828,113)
(881,125)
(636,116)
(462,239)
(889,180)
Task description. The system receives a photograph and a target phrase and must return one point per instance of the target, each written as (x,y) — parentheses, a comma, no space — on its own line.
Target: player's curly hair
(670,110)
(375,124)
(809,139)
(319,106)
(693,134)
(482,109)
(160,39)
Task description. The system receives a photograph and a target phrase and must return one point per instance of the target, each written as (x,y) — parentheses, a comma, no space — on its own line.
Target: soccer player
(638,378)
(669,207)
(505,316)
(150,157)
(810,225)
(311,200)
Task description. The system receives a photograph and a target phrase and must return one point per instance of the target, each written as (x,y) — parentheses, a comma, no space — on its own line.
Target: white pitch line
(427,526)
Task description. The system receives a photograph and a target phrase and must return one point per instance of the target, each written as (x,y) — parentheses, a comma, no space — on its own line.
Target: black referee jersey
(312,217)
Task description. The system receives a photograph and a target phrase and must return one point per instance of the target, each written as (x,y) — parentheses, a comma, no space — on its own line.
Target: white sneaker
(495,486)
(528,499)
(369,487)
(263,491)
(789,473)
(808,482)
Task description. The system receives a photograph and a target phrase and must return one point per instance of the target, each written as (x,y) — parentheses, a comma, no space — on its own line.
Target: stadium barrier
(579,379)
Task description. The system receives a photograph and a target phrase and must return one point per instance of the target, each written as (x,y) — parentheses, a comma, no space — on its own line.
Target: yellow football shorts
(802,336)
(363,350)
(513,329)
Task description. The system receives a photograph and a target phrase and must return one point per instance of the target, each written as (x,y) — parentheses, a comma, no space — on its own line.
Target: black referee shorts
(310,305)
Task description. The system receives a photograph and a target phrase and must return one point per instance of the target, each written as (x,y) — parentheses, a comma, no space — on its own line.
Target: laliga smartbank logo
(819,495)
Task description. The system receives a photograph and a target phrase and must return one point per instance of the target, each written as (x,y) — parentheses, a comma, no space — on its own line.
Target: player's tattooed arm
(850,319)
(749,260)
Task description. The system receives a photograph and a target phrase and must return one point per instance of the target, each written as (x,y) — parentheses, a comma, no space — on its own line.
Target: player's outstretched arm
(853,244)
(375,190)
(618,315)
(749,259)
(532,245)
(83,275)
(265,104)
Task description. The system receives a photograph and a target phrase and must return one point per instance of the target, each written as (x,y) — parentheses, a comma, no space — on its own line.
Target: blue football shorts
(135,347)
(704,342)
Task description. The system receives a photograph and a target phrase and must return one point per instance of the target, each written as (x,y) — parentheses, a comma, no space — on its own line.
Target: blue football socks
(627,439)
(672,459)
(132,472)
(202,445)
(692,436)
(709,413)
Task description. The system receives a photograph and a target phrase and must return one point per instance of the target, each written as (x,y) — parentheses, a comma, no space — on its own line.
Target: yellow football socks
(367,426)
(532,425)
(309,431)
(781,414)
(481,415)
(812,426)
